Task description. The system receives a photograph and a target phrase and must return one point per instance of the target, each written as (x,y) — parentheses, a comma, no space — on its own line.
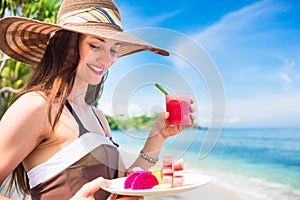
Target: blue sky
(254,45)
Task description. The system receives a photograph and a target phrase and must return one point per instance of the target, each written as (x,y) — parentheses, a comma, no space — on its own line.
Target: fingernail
(167,115)
(107,182)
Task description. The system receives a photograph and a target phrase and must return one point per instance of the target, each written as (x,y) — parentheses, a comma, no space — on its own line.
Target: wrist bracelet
(148,158)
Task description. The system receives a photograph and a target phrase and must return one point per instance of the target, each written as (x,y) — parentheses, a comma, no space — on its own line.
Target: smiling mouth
(95,69)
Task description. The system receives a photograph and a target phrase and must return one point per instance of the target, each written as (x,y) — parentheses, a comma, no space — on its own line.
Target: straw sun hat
(25,39)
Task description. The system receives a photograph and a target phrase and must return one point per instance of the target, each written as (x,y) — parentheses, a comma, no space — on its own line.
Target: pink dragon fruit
(140,181)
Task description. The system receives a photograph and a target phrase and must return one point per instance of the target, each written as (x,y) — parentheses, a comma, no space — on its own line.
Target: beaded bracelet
(148,158)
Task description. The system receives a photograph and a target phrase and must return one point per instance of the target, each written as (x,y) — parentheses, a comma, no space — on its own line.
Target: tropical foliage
(135,123)
(14,76)
(43,10)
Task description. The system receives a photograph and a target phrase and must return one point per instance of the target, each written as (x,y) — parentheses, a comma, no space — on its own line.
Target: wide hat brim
(25,40)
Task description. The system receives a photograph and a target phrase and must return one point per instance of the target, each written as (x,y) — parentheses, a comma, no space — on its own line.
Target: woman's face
(96,56)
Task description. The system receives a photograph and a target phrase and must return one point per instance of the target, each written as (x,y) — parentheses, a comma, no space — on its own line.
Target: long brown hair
(54,77)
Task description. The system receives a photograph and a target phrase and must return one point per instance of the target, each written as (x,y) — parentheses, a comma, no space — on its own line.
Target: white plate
(191,182)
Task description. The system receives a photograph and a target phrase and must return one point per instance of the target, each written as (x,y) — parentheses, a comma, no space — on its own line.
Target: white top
(66,157)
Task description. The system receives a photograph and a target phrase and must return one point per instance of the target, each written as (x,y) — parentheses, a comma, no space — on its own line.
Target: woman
(52,138)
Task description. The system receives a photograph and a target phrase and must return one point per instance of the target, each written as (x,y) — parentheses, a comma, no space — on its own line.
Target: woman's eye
(95,46)
(113,50)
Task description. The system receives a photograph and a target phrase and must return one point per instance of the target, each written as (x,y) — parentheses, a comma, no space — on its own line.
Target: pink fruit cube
(167,165)
(167,179)
(167,170)
(167,161)
(178,173)
(178,181)
(178,164)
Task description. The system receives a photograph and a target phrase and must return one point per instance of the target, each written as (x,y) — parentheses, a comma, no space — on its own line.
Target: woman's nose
(106,58)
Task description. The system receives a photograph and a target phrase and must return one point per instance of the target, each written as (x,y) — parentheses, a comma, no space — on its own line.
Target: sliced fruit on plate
(162,186)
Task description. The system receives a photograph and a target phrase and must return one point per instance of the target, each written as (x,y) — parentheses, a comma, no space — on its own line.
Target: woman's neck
(77,95)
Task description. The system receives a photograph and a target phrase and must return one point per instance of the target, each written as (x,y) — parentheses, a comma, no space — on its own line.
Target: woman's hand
(115,196)
(160,131)
(88,190)
(161,125)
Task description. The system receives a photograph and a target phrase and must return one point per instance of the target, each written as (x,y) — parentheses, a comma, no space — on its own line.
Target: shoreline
(225,184)
(243,187)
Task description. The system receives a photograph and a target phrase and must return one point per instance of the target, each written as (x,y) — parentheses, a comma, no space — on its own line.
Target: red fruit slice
(144,180)
(130,179)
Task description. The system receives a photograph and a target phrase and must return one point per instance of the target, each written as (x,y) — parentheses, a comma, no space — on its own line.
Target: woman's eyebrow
(104,41)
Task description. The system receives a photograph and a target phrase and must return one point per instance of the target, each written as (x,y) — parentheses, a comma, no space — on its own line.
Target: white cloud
(285,78)
(272,110)
(156,20)
(288,64)
(287,73)
(232,120)
(235,24)
(134,18)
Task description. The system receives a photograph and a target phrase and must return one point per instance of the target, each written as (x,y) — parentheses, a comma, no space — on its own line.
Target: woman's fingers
(88,190)
(94,185)
(112,197)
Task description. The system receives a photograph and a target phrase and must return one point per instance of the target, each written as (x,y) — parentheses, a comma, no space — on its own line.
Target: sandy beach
(211,191)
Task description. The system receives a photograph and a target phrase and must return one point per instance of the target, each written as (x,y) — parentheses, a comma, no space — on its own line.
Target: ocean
(255,163)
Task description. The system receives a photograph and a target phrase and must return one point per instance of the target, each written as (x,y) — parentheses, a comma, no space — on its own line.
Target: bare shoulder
(98,112)
(31,107)
(32,99)
(101,115)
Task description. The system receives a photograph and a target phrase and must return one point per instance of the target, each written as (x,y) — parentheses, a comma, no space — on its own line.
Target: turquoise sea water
(262,163)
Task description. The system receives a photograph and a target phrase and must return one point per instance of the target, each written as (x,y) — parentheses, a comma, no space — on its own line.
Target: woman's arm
(160,131)
(22,128)
(3,198)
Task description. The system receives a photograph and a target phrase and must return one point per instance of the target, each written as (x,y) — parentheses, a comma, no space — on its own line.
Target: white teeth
(95,68)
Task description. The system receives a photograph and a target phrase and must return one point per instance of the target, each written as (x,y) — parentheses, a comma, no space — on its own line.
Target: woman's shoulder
(31,101)
(100,115)
(98,111)
(28,113)
(34,95)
